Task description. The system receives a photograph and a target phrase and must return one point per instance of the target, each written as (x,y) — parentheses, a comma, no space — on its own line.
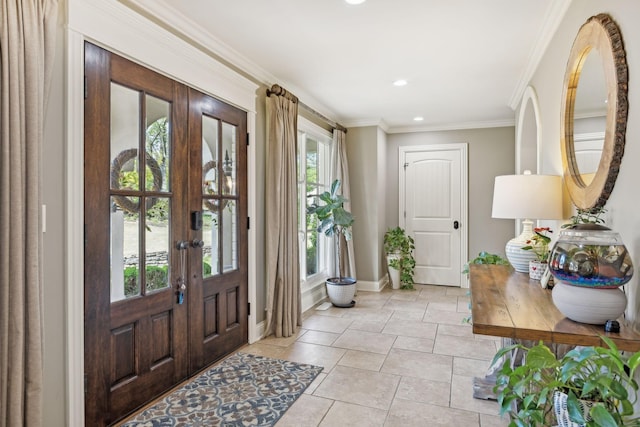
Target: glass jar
(590,255)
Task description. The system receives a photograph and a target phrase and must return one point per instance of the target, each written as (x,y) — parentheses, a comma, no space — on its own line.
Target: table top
(506,303)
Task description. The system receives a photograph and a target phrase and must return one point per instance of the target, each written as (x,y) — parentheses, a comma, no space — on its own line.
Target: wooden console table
(506,303)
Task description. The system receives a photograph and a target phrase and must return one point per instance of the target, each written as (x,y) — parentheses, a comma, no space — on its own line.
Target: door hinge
(86,94)
(86,380)
(248,223)
(248,309)
(405,166)
(247,139)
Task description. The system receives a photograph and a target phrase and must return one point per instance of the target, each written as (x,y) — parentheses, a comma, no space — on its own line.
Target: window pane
(125,135)
(158,144)
(229,161)
(125,246)
(312,253)
(210,237)
(210,155)
(229,236)
(157,244)
(312,162)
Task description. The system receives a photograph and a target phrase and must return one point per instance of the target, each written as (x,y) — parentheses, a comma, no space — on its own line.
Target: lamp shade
(527,196)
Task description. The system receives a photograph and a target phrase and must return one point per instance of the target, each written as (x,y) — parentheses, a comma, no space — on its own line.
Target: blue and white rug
(243,390)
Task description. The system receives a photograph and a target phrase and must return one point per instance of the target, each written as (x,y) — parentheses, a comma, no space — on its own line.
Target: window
(314,145)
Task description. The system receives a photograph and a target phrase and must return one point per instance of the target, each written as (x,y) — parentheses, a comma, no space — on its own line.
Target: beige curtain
(340,170)
(27,38)
(284,314)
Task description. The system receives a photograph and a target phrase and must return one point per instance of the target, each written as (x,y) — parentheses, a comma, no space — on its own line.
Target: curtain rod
(280,91)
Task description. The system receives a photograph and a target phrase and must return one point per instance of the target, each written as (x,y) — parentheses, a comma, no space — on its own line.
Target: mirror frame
(602,35)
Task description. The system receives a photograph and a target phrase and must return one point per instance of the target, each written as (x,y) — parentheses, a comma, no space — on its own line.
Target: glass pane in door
(210,169)
(229,161)
(211,239)
(140,231)
(229,236)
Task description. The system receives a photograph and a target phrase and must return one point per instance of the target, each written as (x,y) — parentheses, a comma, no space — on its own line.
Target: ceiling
(466,61)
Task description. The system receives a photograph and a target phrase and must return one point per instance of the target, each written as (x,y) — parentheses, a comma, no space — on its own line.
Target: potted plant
(334,221)
(400,261)
(588,386)
(539,245)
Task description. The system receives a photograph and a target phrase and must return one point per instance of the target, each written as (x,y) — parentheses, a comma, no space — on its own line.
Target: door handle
(456,225)
(197,243)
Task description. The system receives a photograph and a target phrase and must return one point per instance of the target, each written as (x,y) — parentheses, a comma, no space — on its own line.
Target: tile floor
(398,358)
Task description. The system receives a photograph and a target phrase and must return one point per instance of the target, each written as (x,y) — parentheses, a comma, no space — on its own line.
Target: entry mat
(243,390)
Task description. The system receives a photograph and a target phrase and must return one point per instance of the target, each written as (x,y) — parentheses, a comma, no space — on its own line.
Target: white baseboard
(313,295)
(258,333)
(373,286)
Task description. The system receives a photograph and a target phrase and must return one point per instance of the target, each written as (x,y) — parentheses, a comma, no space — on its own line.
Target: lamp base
(518,257)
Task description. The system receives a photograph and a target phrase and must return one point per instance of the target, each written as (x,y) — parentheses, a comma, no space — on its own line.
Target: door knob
(197,243)
(456,225)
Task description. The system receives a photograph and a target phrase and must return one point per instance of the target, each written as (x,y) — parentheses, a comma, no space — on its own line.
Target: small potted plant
(539,245)
(401,264)
(334,221)
(588,386)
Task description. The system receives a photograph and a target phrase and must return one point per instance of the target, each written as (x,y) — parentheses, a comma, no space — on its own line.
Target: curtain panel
(284,314)
(340,170)
(27,43)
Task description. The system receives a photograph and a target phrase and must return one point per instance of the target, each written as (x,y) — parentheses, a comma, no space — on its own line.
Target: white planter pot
(537,269)
(589,305)
(394,274)
(562,414)
(341,292)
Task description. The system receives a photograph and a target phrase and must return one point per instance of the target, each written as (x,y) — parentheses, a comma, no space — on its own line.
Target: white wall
(548,79)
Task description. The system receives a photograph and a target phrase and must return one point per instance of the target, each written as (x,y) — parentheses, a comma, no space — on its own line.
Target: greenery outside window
(314,150)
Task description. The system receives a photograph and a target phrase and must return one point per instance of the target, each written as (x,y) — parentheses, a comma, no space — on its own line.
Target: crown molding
(174,21)
(453,126)
(360,123)
(554,16)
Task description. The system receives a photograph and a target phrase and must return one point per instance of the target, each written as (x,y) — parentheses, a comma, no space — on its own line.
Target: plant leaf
(601,417)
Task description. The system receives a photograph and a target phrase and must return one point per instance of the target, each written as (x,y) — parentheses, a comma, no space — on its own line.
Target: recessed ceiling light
(355,1)
(418,119)
(400,82)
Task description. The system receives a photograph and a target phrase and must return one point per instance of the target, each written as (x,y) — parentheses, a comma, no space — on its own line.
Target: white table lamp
(526,197)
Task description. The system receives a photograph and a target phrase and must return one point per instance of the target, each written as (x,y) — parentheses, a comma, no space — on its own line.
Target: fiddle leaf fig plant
(333,218)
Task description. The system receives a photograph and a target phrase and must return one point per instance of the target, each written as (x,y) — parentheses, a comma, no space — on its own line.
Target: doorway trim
(119,29)
(464,192)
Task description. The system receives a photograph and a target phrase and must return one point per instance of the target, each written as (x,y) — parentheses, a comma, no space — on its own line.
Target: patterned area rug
(244,390)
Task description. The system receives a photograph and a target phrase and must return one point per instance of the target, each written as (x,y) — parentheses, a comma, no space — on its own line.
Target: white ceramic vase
(589,305)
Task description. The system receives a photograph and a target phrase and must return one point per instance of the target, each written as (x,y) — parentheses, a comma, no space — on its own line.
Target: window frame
(324,138)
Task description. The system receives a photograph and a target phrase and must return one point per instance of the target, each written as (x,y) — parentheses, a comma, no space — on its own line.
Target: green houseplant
(399,248)
(334,221)
(599,375)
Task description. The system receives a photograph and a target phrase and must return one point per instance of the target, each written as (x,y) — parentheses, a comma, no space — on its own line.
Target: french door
(165,233)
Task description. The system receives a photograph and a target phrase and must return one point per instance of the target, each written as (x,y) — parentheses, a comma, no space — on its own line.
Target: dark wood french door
(165,234)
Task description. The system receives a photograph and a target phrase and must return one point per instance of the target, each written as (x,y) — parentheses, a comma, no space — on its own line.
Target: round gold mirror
(594,112)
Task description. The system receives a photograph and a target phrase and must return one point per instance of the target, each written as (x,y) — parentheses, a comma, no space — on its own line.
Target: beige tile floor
(398,358)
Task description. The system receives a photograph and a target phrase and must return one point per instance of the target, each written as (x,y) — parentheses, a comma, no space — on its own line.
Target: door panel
(218,162)
(134,329)
(432,204)
(150,318)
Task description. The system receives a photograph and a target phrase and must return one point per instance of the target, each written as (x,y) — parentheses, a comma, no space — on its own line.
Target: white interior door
(433,210)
